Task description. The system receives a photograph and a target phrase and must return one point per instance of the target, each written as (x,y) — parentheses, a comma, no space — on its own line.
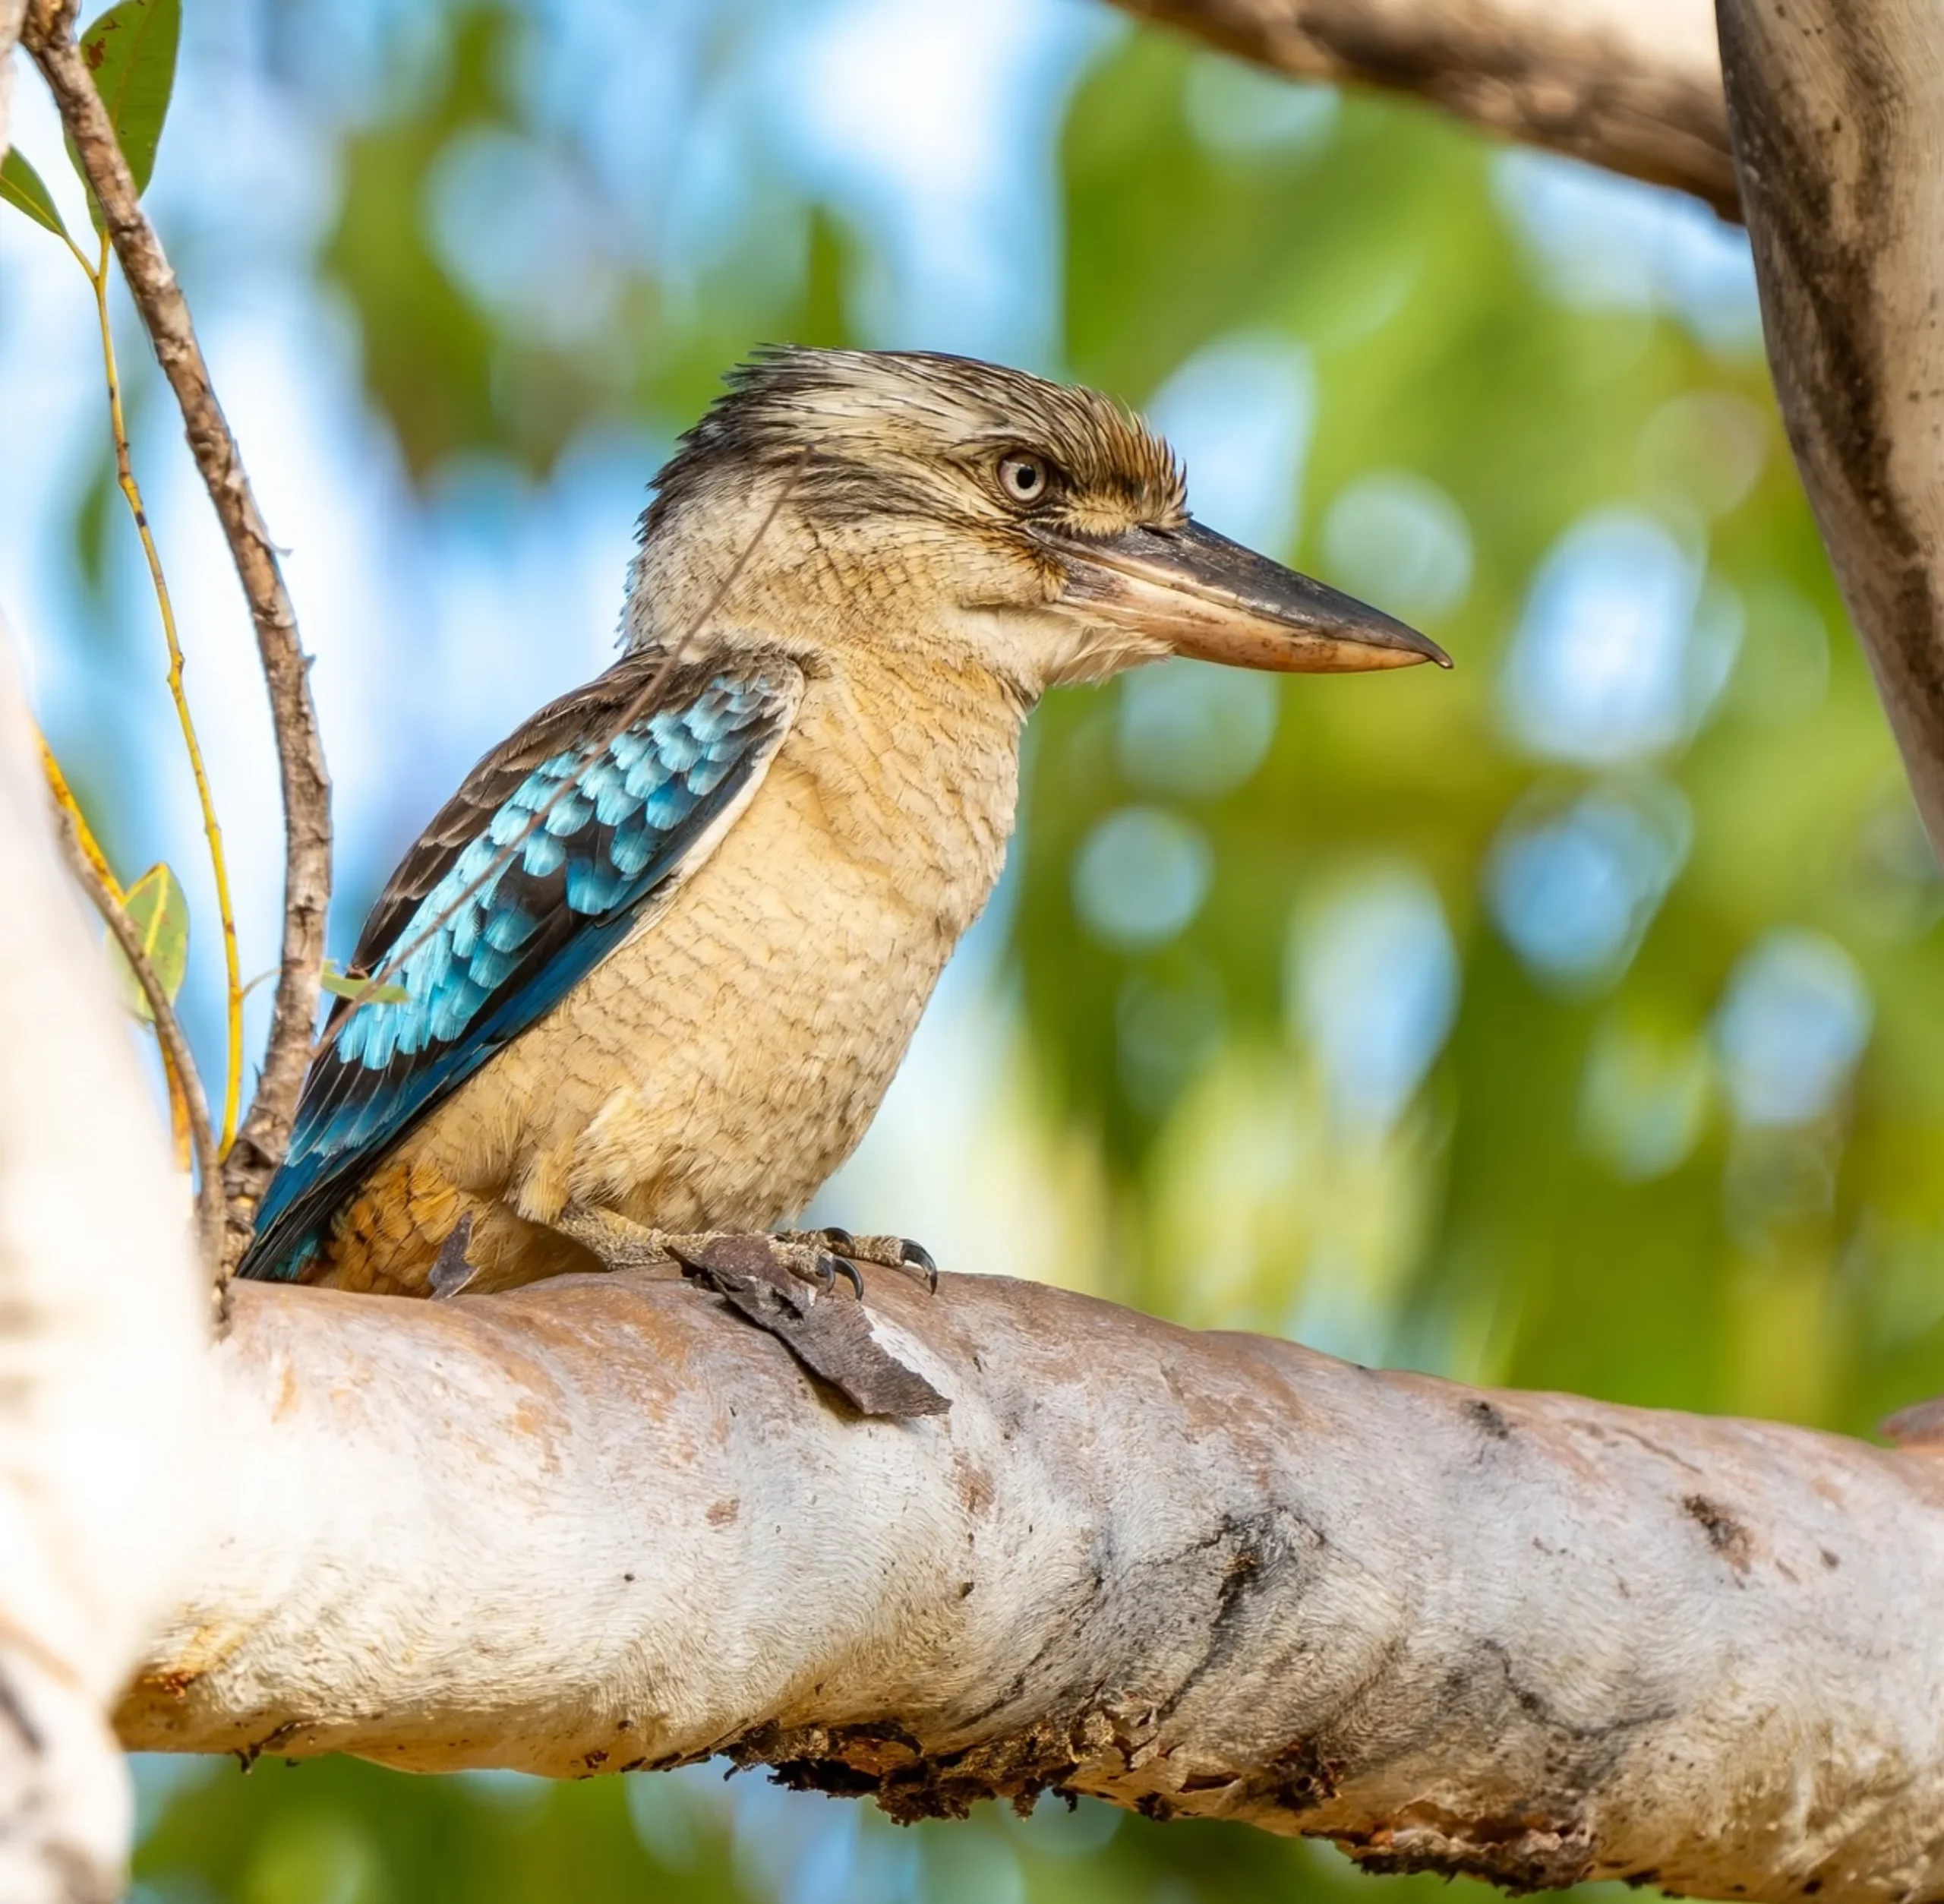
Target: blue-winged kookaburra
(673,1004)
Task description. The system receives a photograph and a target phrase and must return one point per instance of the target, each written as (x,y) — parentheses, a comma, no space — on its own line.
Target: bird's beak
(1207,597)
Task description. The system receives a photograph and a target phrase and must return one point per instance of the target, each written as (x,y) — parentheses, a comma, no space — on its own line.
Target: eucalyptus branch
(168,1034)
(124,477)
(305,780)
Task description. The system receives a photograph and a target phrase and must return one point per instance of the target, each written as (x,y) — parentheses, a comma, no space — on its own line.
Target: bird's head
(1038,530)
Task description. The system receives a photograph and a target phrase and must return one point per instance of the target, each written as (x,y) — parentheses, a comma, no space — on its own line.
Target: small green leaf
(131,51)
(159,908)
(20,187)
(361,989)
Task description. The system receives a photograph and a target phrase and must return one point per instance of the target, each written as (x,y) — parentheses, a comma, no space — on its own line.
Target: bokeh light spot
(1575,893)
(1400,541)
(1240,413)
(1794,1022)
(1237,111)
(510,219)
(1618,653)
(1706,448)
(1140,876)
(1645,1096)
(1372,983)
(1189,727)
(1606,243)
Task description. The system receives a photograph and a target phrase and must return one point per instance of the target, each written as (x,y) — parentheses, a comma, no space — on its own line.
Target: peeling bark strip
(602,1523)
(830,1336)
(1836,108)
(1633,85)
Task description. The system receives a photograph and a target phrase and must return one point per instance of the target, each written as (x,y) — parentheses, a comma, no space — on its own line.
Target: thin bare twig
(124,477)
(635,708)
(168,1029)
(305,782)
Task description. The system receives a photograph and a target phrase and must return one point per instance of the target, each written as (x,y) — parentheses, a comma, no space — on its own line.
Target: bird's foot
(899,1253)
(619,1242)
(779,1283)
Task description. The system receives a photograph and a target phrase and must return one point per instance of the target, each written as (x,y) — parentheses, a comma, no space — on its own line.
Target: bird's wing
(648,803)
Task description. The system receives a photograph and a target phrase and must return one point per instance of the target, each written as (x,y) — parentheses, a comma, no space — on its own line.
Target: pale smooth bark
(1838,118)
(101,1386)
(603,1524)
(1631,85)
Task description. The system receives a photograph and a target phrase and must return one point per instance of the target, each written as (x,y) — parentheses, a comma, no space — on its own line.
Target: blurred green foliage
(341,1833)
(1402,1013)
(1780,1266)
(517,366)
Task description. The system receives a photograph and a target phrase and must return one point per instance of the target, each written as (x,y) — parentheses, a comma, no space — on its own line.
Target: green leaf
(159,908)
(20,187)
(131,51)
(361,989)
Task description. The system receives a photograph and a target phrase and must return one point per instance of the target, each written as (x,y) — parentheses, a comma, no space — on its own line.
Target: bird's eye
(1024,478)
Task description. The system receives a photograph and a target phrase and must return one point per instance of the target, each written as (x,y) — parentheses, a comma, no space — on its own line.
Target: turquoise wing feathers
(501,912)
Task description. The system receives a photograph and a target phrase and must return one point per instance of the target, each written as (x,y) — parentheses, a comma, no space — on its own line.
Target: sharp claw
(918,1257)
(838,1238)
(829,1268)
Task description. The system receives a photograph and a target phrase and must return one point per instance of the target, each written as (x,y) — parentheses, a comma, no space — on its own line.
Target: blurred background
(1566,1021)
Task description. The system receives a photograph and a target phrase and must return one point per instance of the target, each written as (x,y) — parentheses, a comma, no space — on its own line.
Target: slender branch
(83,840)
(305,782)
(124,476)
(76,821)
(1633,85)
(1530,1637)
(168,1029)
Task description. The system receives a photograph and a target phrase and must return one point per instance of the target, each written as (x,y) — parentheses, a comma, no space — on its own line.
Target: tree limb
(306,784)
(1633,85)
(603,1524)
(102,1387)
(1838,112)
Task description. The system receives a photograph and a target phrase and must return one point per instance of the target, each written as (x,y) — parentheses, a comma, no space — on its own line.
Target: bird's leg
(885,1252)
(622,1243)
(618,1241)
